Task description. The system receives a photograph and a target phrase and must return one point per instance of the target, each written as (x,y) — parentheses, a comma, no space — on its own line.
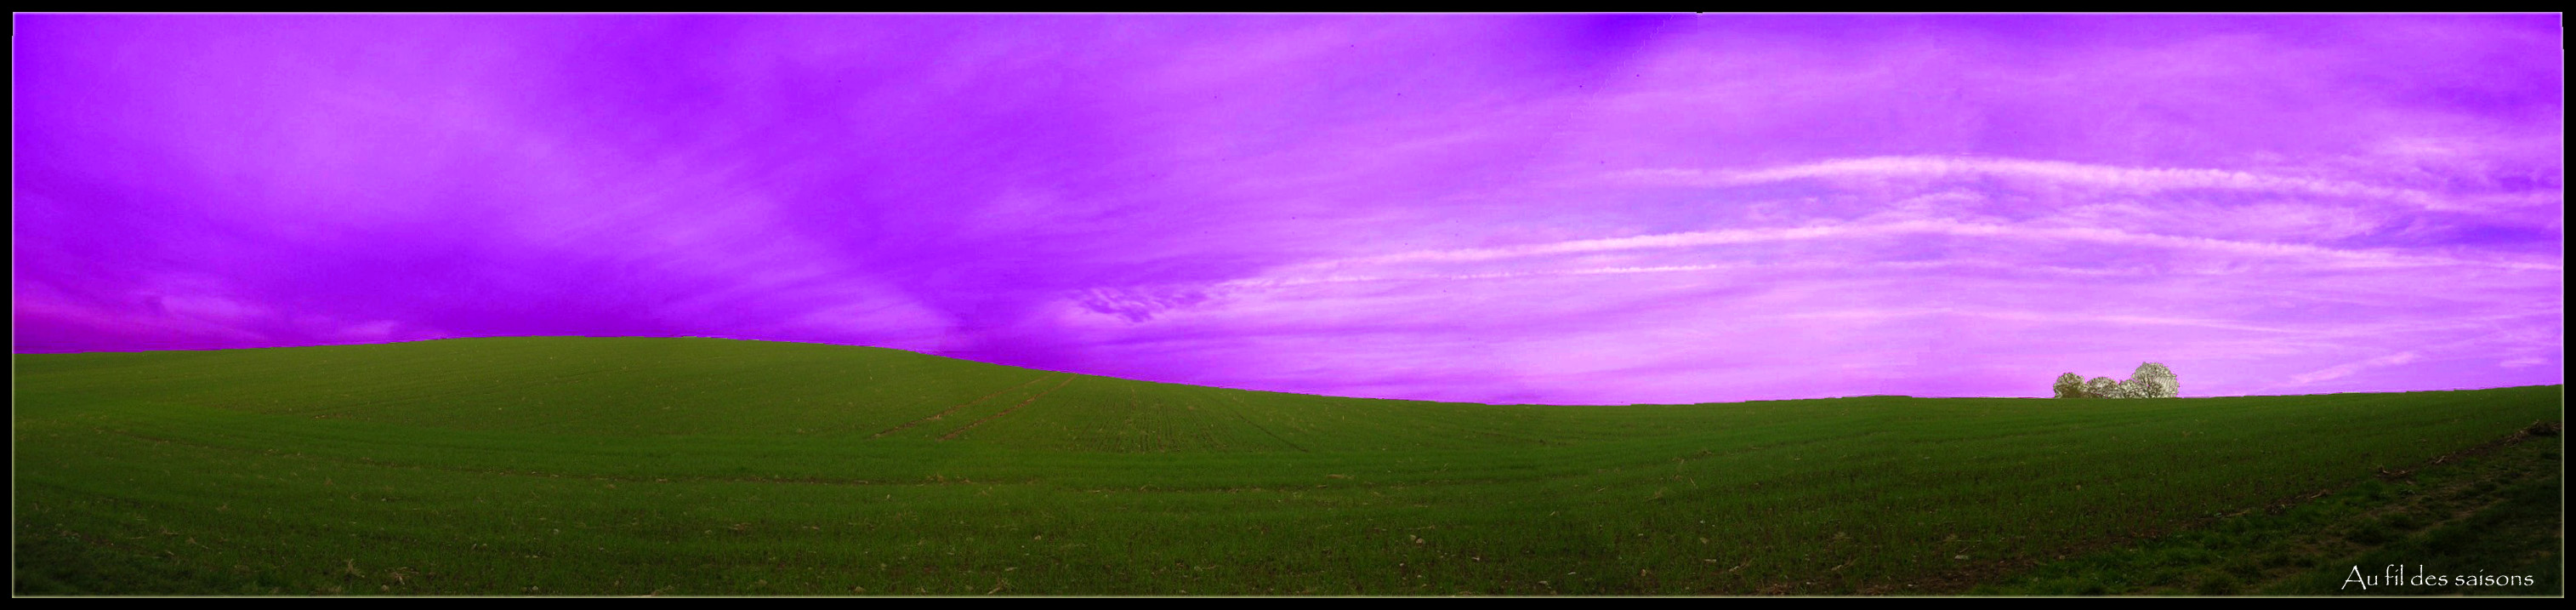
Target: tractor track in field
(952,435)
(953,409)
(1264,430)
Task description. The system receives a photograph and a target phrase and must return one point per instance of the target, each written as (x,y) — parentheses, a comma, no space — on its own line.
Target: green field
(631,466)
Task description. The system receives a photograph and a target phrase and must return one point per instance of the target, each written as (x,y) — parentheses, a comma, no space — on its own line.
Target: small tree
(2069,385)
(2153,380)
(2102,387)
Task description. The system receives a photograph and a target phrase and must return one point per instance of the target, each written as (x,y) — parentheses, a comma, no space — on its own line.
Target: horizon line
(16,350)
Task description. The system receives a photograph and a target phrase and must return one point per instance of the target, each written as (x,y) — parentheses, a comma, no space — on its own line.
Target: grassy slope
(700,466)
(2493,511)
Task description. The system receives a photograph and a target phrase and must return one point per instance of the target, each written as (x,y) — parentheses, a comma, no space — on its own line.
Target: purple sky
(1554,209)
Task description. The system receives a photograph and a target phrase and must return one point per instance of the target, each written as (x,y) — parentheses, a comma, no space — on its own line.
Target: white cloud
(2347,369)
(2345,258)
(2053,172)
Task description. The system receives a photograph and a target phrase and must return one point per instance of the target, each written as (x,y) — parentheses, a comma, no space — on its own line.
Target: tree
(2102,387)
(2153,380)
(2070,385)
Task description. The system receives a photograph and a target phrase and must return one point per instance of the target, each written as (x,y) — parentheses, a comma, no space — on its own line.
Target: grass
(2449,515)
(628,466)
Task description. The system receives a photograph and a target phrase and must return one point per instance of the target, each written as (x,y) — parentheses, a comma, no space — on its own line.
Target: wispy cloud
(2327,256)
(2132,179)
(2347,369)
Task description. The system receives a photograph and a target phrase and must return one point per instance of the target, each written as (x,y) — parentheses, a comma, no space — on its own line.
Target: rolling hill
(635,466)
